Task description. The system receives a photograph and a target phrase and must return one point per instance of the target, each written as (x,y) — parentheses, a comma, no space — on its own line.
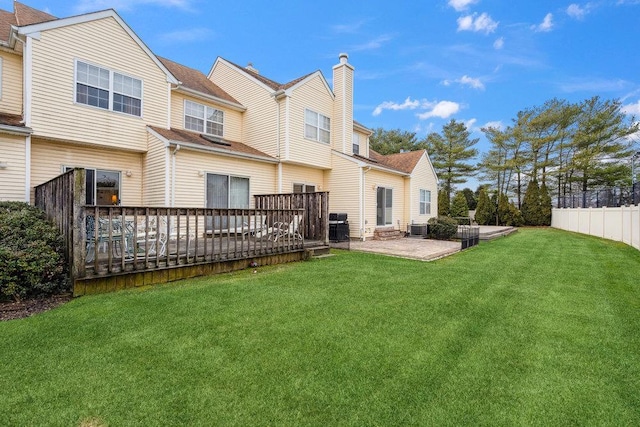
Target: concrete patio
(424,249)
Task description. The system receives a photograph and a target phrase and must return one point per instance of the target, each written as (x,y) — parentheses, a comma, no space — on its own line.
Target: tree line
(555,149)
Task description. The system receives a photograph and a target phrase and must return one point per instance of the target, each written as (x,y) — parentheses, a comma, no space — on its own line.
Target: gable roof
(198,141)
(36,27)
(272,85)
(193,80)
(405,162)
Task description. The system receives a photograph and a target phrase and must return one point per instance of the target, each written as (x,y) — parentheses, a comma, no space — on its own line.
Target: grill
(338,227)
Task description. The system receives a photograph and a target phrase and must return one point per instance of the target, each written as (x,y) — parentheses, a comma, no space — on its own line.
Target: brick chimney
(342,120)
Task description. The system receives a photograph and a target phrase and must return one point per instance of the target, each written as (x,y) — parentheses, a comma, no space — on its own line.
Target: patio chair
(109,232)
(287,229)
(174,234)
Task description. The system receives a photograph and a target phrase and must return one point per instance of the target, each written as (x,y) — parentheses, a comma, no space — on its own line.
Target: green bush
(442,228)
(31,253)
(459,207)
(485,208)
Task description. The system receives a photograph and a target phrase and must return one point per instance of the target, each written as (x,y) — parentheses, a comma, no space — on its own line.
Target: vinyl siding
(342,128)
(301,175)
(103,43)
(376,179)
(48,159)
(312,95)
(232,124)
(422,178)
(364,144)
(191,185)
(343,183)
(259,128)
(12,178)
(156,173)
(11,85)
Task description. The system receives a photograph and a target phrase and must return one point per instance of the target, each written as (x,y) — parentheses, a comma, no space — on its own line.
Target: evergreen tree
(394,141)
(472,202)
(484,210)
(503,213)
(545,206)
(444,204)
(531,212)
(450,152)
(515,216)
(459,207)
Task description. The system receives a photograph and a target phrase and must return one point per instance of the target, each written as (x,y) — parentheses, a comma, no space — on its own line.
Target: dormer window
(203,119)
(108,89)
(317,127)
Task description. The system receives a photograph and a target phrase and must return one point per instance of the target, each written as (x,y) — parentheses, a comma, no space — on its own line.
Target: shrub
(444,203)
(31,254)
(442,228)
(531,209)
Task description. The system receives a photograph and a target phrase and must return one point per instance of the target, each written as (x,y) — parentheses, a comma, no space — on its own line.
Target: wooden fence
(315,206)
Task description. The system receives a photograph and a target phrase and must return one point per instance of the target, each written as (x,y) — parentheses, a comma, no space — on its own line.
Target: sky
(418,64)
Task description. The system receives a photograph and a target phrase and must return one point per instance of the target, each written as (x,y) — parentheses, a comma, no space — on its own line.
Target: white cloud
(94,5)
(374,44)
(466,81)
(408,104)
(576,12)
(351,28)
(499,43)
(469,124)
(482,23)
(546,25)
(461,5)
(495,124)
(442,109)
(631,109)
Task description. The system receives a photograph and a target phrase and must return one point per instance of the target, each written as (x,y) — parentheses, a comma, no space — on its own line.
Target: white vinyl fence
(621,224)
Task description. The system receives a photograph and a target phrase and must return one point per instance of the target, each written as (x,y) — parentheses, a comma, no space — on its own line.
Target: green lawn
(538,328)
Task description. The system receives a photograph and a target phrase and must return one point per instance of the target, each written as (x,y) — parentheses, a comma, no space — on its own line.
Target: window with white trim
(425,202)
(104,88)
(356,143)
(203,119)
(384,206)
(317,126)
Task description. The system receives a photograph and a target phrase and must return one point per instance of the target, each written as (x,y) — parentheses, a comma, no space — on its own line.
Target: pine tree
(484,210)
(459,207)
(444,204)
(531,212)
(503,210)
(545,206)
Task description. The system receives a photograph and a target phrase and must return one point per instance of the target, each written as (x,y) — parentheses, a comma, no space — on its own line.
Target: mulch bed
(10,310)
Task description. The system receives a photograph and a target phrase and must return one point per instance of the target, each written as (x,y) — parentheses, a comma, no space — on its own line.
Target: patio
(424,249)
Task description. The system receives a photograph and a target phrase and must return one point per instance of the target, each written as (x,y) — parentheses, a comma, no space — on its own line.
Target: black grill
(338,227)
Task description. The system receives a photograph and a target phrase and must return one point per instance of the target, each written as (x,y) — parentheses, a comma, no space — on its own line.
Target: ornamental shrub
(31,253)
(459,207)
(444,203)
(545,205)
(531,210)
(485,209)
(442,228)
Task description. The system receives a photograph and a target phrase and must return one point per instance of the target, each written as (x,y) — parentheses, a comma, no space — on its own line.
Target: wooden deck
(116,247)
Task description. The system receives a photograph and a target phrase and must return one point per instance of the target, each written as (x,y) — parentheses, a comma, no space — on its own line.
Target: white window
(108,89)
(304,188)
(356,143)
(316,126)
(102,186)
(203,119)
(425,202)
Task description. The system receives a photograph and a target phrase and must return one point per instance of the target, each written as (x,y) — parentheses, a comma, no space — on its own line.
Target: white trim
(203,118)
(287,114)
(169,88)
(318,126)
(167,174)
(220,151)
(310,77)
(15,130)
(27,168)
(344,109)
(30,30)
(28,80)
(210,98)
(238,68)
(279,177)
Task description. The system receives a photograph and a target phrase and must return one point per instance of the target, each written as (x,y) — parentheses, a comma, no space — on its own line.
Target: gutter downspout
(27,64)
(173,176)
(277,96)
(363,210)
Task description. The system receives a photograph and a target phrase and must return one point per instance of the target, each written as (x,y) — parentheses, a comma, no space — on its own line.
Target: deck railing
(110,240)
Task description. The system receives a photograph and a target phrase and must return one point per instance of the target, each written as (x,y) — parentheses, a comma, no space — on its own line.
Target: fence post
(79,228)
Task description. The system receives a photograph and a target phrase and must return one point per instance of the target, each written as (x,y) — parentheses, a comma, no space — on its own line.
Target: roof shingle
(194,79)
(188,137)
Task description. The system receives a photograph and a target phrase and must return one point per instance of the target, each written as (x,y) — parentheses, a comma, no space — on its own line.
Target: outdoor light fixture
(3,165)
(201,173)
(129,173)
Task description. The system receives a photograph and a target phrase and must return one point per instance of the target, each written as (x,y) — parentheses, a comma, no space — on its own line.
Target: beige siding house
(154,132)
